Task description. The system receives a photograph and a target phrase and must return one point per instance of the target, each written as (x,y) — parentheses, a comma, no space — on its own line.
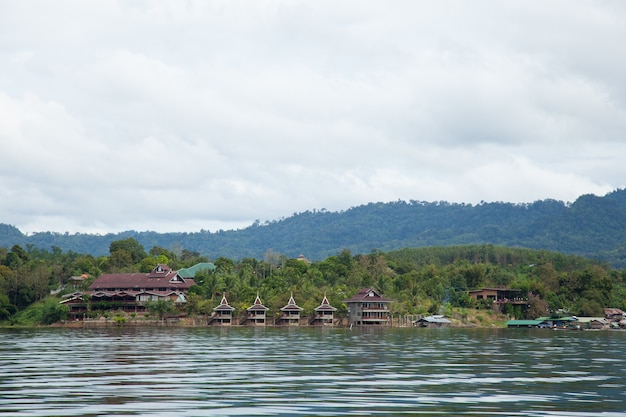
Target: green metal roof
(193,270)
(523,323)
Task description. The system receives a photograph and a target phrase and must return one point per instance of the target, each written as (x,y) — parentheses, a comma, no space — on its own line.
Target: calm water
(311,372)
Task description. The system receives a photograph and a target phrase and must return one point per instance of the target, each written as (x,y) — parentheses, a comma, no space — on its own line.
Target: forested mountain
(591,226)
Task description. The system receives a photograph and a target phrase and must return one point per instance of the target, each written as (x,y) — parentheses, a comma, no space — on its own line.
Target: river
(311,372)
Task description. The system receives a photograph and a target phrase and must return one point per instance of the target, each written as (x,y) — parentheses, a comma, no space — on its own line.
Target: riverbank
(459,317)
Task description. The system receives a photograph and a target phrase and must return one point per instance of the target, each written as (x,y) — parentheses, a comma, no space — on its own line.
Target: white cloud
(168,115)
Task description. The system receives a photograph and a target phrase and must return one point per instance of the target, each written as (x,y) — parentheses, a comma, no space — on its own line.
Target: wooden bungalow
(222,314)
(289,314)
(256,314)
(368,308)
(324,314)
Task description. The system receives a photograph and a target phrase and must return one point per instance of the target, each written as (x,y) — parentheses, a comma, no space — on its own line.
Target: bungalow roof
(224,306)
(257,306)
(325,306)
(291,305)
(367,295)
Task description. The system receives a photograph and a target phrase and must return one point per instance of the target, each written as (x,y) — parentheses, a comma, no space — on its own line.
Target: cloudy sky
(184,115)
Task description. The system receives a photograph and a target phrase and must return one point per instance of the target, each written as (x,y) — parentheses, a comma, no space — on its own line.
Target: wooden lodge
(129,292)
(368,308)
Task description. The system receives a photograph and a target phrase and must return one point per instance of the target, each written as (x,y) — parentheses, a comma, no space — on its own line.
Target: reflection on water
(311,371)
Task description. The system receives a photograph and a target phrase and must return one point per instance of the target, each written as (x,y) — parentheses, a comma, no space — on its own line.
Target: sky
(177,115)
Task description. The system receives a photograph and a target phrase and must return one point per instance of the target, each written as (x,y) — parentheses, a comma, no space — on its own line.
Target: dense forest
(591,226)
(419,280)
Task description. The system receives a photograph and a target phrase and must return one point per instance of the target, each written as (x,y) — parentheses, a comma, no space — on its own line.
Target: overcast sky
(184,115)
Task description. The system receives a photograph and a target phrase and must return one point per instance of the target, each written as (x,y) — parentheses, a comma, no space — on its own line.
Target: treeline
(423,280)
(591,226)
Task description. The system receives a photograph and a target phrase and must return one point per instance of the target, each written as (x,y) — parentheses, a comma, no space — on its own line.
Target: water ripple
(309,372)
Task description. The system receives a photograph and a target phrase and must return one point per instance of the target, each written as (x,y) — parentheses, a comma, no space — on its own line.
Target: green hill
(592,226)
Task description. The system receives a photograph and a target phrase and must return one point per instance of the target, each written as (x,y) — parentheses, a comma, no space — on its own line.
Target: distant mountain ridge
(592,226)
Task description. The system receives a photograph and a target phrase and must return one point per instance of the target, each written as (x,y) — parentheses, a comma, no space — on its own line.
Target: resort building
(222,314)
(129,292)
(500,295)
(368,308)
(289,314)
(256,314)
(324,314)
(498,298)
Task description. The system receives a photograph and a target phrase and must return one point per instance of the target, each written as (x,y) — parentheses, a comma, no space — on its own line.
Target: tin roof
(523,323)
(436,319)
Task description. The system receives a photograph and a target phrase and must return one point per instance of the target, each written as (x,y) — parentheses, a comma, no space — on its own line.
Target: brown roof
(132,294)
(291,305)
(257,306)
(224,306)
(160,277)
(367,295)
(325,306)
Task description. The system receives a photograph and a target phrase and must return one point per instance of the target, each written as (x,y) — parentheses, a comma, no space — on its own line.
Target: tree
(120,259)
(53,311)
(161,308)
(536,307)
(6,308)
(130,246)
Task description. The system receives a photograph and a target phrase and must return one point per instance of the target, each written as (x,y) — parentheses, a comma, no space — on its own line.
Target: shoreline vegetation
(463,318)
(419,281)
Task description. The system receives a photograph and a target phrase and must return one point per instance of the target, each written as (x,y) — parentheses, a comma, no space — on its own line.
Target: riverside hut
(290,314)
(256,314)
(222,314)
(324,314)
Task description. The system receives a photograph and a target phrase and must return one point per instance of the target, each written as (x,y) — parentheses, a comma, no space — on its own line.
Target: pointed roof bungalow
(324,314)
(222,314)
(290,314)
(368,308)
(256,313)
